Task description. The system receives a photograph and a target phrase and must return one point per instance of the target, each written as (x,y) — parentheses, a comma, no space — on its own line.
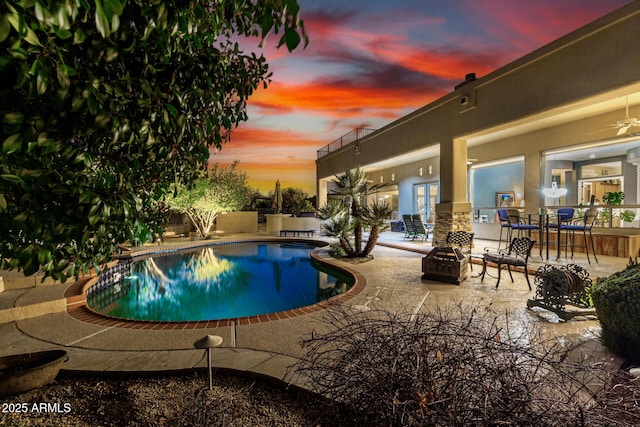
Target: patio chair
(422,230)
(517,255)
(462,240)
(409,228)
(583,224)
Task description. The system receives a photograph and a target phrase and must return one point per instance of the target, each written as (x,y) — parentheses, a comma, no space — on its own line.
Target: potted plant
(615,198)
(627,215)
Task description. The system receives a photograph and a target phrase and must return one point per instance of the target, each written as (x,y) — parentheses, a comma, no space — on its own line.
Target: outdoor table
(543,231)
(545,219)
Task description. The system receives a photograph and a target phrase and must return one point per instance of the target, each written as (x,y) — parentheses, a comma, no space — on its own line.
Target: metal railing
(609,216)
(345,139)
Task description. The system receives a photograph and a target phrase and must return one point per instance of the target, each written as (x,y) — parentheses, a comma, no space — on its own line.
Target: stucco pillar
(453,213)
(533,198)
(321,192)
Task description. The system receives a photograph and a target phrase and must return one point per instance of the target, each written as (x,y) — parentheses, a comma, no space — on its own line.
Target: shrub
(617,302)
(458,366)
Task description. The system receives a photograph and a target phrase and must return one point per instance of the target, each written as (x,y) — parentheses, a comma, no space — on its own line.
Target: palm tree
(343,221)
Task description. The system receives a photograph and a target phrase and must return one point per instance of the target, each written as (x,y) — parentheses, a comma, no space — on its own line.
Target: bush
(617,302)
(458,366)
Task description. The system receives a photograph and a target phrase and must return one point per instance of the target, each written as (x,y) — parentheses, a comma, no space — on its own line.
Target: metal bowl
(20,373)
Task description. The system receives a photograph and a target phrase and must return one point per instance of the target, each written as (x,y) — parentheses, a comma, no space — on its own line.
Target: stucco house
(559,117)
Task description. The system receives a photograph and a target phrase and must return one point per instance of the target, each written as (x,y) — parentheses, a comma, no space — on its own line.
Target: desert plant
(617,302)
(457,366)
(347,218)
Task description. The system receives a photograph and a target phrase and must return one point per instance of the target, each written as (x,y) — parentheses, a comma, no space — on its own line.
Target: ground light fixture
(208,342)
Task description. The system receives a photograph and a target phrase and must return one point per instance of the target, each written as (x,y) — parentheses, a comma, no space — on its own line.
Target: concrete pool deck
(392,281)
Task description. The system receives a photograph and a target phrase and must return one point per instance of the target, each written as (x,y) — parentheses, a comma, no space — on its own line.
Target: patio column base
(454,216)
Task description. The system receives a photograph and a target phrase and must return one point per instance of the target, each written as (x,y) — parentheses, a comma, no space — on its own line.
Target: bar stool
(587,221)
(565,218)
(518,223)
(503,217)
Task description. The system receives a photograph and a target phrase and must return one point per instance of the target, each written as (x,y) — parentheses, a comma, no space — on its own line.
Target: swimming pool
(217,282)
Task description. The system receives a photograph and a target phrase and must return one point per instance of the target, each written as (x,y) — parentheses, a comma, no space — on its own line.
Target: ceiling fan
(625,124)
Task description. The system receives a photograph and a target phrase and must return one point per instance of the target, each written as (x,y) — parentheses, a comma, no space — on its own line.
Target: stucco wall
(237,222)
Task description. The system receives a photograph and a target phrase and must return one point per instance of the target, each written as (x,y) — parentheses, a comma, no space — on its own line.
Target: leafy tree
(291,199)
(106,104)
(224,190)
(294,200)
(348,217)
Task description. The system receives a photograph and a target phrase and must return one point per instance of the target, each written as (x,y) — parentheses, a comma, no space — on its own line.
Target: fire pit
(445,264)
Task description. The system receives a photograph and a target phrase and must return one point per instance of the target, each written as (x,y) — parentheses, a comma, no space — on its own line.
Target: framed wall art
(505,199)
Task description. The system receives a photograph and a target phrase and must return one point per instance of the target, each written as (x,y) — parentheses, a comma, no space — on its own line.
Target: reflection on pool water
(218,282)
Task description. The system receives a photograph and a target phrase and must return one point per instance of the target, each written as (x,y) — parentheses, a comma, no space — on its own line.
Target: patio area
(390,281)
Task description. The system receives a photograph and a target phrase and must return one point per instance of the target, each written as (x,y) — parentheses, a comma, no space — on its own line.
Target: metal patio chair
(462,240)
(517,255)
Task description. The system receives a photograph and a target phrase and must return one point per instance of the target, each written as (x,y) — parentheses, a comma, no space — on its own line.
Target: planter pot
(23,372)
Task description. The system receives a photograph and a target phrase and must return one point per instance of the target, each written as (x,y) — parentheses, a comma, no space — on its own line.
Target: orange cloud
(267,155)
(342,101)
(298,173)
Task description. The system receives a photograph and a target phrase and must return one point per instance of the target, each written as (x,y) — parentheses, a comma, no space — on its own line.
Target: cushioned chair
(584,224)
(462,240)
(517,255)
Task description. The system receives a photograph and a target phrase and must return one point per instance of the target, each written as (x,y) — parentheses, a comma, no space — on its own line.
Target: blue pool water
(219,282)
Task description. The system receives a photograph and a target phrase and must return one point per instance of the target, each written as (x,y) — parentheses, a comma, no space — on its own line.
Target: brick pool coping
(76,302)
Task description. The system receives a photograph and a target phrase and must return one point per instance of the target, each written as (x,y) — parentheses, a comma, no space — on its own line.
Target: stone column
(451,217)
(453,213)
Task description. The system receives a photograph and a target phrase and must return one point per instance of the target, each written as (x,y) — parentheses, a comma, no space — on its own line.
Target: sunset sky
(370,62)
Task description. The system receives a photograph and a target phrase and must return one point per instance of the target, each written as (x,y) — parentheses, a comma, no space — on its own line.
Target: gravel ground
(235,401)
(163,401)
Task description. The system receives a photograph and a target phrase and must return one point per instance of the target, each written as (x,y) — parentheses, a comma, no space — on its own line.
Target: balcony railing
(345,139)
